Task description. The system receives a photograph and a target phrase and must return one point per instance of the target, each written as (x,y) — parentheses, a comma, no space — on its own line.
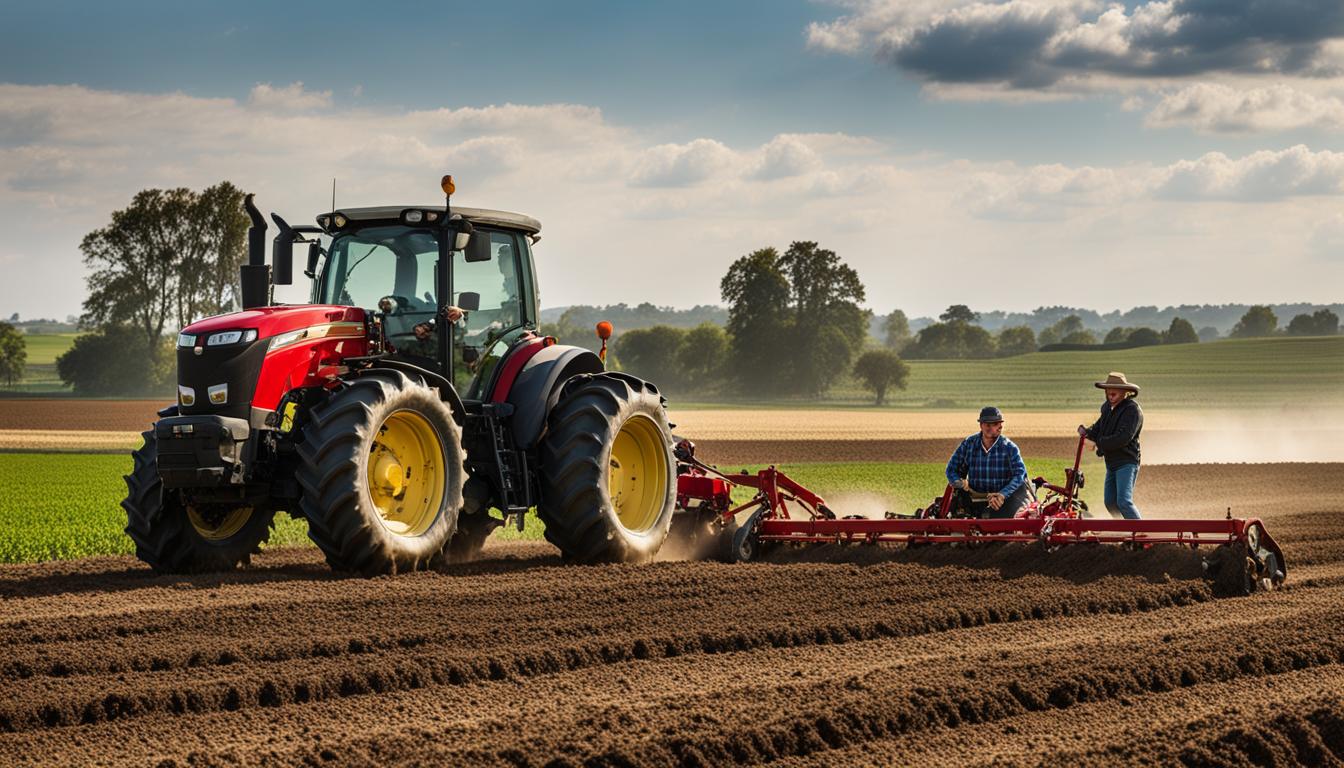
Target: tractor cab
(379,261)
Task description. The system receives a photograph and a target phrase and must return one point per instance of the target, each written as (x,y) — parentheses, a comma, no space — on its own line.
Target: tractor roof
(474,215)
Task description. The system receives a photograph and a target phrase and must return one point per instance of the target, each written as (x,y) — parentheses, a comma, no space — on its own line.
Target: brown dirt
(947,657)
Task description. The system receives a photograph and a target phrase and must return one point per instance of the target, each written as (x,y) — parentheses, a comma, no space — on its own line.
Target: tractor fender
(537,388)
(447,392)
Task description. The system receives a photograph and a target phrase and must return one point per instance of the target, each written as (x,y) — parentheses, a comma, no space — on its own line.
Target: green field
(1230,374)
(39,374)
(62,506)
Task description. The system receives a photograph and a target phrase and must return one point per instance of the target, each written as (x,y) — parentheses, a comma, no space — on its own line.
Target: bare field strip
(1170,437)
(948,657)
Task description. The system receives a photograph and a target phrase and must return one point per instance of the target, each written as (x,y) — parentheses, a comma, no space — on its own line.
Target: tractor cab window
(389,270)
(499,320)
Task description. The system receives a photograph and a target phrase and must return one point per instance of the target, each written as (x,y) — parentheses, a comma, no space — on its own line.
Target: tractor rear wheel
(177,537)
(381,475)
(608,477)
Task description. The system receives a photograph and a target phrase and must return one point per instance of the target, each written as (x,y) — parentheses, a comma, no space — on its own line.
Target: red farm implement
(783,512)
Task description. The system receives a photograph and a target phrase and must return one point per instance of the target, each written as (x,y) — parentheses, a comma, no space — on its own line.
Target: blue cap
(990,413)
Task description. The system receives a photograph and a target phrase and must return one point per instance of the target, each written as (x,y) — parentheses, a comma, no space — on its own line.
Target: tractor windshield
(392,269)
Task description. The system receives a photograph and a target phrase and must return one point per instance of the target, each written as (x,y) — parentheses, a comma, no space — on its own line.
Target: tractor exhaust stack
(255,275)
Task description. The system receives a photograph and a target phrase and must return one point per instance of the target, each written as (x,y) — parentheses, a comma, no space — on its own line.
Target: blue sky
(1199,138)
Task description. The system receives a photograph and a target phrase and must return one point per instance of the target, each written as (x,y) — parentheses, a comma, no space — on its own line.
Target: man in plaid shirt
(990,463)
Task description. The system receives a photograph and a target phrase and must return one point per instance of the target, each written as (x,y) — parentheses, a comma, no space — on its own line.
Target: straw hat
(1116,380)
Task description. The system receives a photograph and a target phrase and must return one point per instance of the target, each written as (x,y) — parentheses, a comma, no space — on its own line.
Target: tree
(1259,320)
(653,354)
(13,354)
(829,325)
(703,357)
(1117,335)
(1208,333)
(959,313)
(1144,337)
(1017,340)
(171,257)
(1180,332)
(880,370)
(759,321)
(1060,332)
(794,319)
(951,341)
(1079,337)
(1322,322)
(113,361)
(896,330)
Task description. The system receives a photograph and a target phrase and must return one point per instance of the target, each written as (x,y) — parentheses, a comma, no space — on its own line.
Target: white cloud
(1259,176)
(786,156)
(1219,108)
(680,165)
(291,97)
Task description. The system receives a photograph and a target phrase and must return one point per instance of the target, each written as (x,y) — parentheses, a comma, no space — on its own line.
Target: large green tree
(1180,332)
(169,258)
(829,325)
(759,320)
(13,353)
(1259,320)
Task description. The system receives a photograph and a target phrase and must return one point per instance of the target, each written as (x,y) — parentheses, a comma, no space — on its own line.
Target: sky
(1004,155)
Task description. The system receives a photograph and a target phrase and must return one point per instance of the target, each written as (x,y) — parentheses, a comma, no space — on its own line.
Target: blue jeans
(1120,491)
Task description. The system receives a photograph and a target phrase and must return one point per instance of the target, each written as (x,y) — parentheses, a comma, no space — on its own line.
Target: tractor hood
(273,321)
(240,365)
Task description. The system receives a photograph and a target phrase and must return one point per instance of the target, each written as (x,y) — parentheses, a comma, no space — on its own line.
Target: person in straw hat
(1116,435)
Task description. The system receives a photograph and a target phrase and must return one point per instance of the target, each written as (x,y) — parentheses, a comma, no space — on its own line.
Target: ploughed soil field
(817,657)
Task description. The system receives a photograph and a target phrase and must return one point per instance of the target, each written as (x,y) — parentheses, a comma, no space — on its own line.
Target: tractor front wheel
(381,475)
(177,537)
(608,477)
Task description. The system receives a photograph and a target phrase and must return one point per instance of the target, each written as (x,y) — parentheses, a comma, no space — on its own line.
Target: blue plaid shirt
(1000,469)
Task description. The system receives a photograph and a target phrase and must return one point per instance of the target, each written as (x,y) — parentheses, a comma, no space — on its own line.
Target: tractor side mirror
(478,248)
(282,253)
(469,301)
(314,253)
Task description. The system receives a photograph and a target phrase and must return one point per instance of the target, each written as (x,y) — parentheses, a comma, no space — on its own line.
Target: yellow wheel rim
(221,529)
(637,477)
(406,473)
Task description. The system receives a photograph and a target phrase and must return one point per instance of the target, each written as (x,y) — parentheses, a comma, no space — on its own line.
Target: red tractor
(410,398)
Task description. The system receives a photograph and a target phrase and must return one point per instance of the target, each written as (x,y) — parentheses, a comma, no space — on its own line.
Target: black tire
(577,465)
(165,536)
(341,436)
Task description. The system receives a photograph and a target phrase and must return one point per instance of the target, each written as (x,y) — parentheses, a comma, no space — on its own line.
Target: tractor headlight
(186,340)
(231,337)
(186,396)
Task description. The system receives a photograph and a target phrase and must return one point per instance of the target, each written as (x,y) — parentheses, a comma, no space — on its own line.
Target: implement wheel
(381,475)
(173,537)
(608,478)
